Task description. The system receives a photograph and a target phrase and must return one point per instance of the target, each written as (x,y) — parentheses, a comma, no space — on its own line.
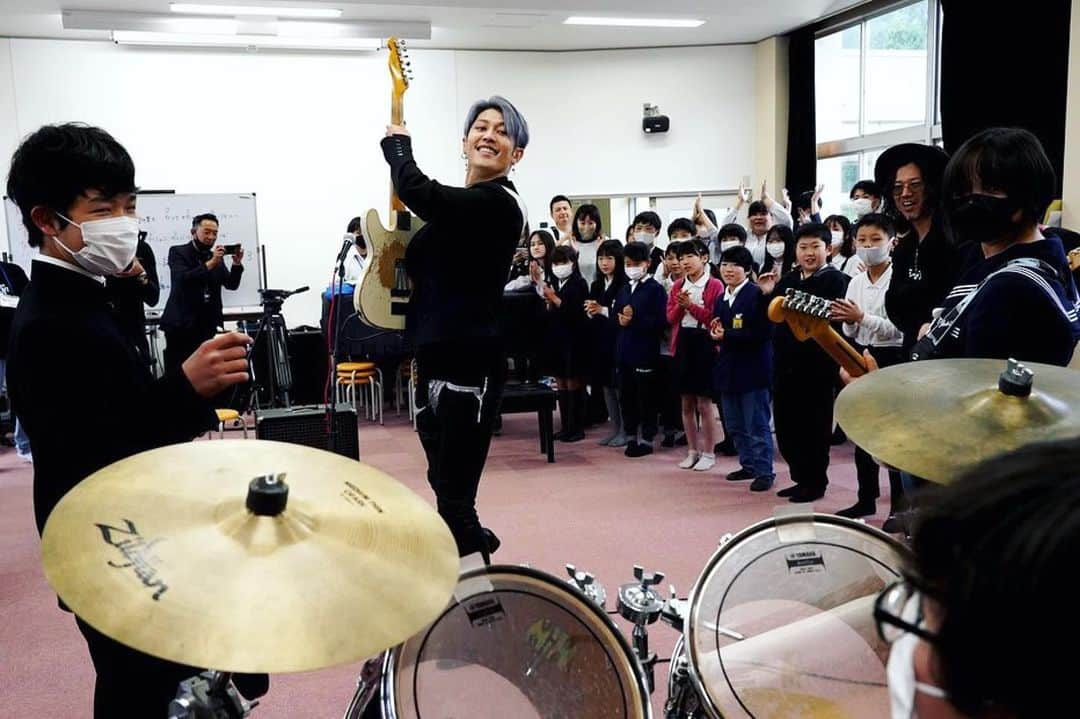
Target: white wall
(1070,195)
(302,130)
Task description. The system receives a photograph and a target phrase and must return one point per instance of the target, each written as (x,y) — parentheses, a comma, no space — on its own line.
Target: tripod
(278,376)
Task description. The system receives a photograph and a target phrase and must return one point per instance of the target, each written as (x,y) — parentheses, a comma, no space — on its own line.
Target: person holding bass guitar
(453,322)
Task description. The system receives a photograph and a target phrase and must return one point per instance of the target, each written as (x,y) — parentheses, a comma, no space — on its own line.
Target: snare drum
(781,621)
(514,642)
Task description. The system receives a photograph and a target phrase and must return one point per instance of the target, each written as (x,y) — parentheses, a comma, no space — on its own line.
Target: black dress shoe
(788,492)
(575,437)
(725,448)
(899,523)
(761,484)
(669,440)
(805,495)
(638,449)
(859,509)
(739,475)
(491,540)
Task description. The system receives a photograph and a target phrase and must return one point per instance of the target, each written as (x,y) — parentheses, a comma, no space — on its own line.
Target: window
(876,85)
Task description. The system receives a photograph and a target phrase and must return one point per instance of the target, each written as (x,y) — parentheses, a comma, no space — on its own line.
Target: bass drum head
(781,621)
(516,642)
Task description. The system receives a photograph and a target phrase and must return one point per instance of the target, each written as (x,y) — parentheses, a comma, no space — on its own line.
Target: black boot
(566,410)
(573,431)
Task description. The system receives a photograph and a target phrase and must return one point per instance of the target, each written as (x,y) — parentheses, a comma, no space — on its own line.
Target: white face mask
(562,271)
(776,249)
(634,273)
(872,256)
(837,237)
(863,206)
(901,669)
(644,237)
(728,244)
(110,244)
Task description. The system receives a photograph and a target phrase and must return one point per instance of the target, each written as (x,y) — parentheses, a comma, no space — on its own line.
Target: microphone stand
(331,401)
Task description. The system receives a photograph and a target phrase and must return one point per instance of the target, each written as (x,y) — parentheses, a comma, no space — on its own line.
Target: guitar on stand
(808,317)
(382,296)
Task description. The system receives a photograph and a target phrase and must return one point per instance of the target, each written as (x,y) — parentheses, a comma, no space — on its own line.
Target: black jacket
(638,344)
(602,331)
(119,411)
(476,228)
(14,281)
(130,297)
(195,295)
(909,300)
(745,360)
(806,359)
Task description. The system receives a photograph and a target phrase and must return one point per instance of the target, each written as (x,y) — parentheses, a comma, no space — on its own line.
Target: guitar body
(382,296)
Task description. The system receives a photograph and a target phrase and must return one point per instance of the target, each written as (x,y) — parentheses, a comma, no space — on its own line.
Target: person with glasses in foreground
(990,587)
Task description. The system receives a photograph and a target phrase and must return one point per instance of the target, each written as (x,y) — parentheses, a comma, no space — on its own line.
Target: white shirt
(732,292)
(68,266)
(850,266)
(697,297)
(876,330)
(756,243)
(355,264)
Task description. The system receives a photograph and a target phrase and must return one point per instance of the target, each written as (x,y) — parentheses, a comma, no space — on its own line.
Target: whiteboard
(166,218)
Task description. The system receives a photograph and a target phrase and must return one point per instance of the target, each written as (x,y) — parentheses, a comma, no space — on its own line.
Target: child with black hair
(863,313)
(689,312)
(74,186)
(779,251)
(670,272)
(531,266)
(565,298)
(842,253)
(640,310)
(804,375)
(646,229)
(588,233)
(742,373)
(601,330)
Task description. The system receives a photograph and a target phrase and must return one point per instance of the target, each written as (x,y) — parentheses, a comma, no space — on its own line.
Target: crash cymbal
(938,418)
(168,552)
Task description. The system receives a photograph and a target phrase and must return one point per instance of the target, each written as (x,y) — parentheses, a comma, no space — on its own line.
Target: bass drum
(781,622)
(513,642)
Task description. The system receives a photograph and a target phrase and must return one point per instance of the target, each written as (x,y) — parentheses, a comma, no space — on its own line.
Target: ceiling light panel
(633,22)
(261,10)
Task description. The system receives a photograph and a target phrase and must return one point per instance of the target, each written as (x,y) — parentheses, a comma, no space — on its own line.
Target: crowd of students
(674,340)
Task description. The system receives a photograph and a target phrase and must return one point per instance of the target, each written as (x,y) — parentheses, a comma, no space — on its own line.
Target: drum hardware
(586,582)
(641,604)
(674,612)
(210,695)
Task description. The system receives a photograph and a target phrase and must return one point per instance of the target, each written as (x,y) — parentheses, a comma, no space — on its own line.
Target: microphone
(344,252)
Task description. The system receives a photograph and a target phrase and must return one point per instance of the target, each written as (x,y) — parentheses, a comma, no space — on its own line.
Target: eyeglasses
(889,614)
(912,186)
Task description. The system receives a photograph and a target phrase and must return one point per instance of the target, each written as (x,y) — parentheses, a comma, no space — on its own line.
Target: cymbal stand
(210,695)
(641,604)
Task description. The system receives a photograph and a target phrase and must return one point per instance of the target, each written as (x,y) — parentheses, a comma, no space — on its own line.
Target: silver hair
(516,127)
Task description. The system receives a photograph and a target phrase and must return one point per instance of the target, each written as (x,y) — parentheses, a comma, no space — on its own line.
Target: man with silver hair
(453,320)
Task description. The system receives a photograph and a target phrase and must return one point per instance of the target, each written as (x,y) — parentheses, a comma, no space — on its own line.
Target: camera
(231,249)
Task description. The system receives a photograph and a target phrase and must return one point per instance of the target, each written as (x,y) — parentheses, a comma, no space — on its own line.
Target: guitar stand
(210,695)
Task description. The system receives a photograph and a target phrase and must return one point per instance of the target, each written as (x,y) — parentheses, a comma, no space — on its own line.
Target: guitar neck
(397,117)
(841,351)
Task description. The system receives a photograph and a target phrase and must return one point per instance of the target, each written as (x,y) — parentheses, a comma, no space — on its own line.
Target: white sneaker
(691,460)
(705,463)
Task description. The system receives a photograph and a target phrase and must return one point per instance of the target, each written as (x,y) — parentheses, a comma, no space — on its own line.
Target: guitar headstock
(807,315)
(400,65)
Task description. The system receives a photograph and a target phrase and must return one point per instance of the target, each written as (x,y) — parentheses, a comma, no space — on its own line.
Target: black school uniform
(601,333)
(803,386)
(132,295)
(638,353)
(567,328)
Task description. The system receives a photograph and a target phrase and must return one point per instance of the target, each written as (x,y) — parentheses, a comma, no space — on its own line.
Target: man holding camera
(197,268)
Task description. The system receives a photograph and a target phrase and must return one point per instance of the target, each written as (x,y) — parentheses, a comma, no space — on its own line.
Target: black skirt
(694,355)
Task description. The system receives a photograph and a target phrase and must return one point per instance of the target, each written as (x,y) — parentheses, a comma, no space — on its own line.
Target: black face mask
(982,218)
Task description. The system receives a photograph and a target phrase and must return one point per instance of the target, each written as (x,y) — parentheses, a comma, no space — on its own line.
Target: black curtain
(801,171)
(1005,70)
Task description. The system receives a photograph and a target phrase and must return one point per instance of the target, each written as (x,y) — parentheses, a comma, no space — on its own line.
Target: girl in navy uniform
(610,278)
(565,303)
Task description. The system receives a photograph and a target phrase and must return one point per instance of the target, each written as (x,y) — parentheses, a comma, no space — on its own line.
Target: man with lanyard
(14,282)
(1017,302)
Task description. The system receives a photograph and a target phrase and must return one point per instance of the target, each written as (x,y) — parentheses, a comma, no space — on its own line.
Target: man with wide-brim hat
(925,263)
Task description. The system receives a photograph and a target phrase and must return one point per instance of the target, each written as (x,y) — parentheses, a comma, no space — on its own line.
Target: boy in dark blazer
(742,373)
(640,308)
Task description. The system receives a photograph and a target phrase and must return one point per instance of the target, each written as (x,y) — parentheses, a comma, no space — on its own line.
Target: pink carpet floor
(593,508)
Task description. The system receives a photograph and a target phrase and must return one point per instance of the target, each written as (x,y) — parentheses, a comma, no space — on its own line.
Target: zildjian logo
(136,550)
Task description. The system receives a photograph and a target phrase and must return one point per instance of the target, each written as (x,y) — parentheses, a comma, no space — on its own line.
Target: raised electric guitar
(383,293)
(808,317)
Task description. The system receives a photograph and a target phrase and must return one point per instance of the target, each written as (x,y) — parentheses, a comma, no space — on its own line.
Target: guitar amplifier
(306,425)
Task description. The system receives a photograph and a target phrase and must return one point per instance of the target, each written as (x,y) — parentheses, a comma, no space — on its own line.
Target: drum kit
(182,553)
